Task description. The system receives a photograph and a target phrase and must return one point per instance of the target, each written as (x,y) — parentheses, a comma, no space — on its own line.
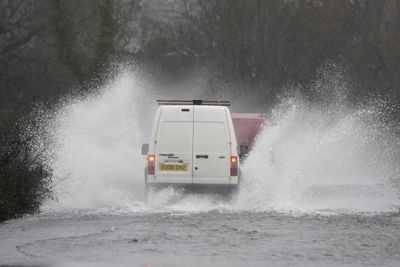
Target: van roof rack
(194,102)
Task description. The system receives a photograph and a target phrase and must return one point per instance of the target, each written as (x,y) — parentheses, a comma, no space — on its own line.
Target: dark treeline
(50,47)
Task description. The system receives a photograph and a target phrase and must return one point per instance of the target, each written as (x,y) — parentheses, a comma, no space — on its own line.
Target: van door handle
(201,156)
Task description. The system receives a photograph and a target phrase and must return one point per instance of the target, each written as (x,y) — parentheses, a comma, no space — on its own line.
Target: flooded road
(330,196)
(213,238)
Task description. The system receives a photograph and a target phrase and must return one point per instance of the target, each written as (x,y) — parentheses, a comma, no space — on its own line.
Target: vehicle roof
(186,106)
(248,115)
(195,102)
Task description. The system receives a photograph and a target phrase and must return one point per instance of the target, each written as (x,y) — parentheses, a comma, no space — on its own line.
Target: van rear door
(174,144)
(211,147)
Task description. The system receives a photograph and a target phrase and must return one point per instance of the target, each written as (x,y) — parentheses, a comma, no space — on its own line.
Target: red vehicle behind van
(247,127)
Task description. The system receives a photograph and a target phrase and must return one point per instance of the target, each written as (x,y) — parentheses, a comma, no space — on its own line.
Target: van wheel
(234,190)
(147,190)
(145,193)
(146,187)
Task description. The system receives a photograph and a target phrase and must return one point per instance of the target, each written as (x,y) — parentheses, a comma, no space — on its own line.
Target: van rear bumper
(234,180)
(196,188)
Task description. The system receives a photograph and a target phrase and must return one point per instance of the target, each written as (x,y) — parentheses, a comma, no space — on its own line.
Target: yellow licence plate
(173,167)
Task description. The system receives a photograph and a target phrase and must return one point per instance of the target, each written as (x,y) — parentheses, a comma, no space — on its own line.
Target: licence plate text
(173,167)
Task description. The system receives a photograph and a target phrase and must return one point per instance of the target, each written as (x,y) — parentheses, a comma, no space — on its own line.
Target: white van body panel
(211,138)
(198,140)
(174,150)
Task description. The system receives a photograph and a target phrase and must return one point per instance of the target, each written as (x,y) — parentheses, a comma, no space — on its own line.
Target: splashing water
(96,142)
(327,156)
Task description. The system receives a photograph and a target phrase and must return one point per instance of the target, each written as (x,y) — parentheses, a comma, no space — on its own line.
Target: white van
(192,144)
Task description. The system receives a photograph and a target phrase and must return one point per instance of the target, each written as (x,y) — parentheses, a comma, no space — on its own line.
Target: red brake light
(151,159)
(234,165)
(234,160)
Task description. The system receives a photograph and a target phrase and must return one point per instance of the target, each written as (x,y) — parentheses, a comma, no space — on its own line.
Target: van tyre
(147,191)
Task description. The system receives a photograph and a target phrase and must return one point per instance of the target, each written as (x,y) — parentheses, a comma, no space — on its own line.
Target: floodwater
(328,197)
(212,238)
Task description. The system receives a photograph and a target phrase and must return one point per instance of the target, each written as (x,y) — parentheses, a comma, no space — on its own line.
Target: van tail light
(151,162)
(234,165)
